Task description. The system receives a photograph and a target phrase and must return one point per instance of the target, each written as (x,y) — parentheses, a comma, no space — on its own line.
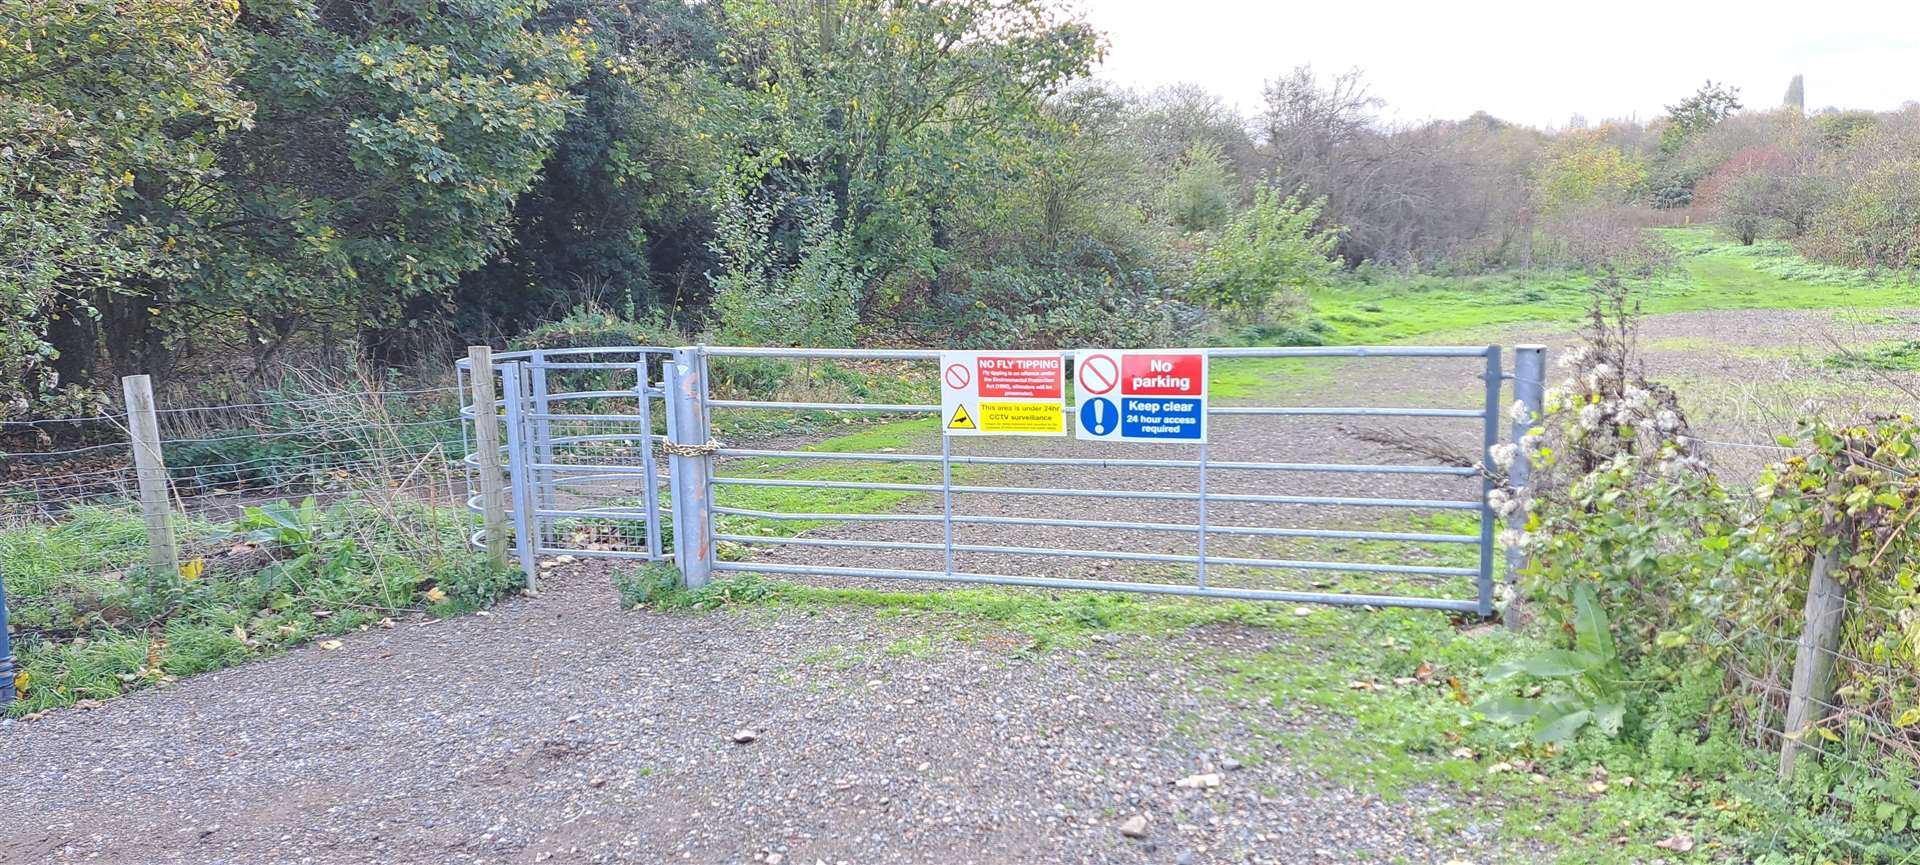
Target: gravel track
(562,729)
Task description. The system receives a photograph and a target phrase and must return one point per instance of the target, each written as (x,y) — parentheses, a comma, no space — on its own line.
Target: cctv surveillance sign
(1003,393)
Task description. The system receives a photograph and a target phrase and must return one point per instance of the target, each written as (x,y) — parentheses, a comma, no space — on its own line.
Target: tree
(1796,99)
(1267,258)
(389,144)
(882,105)
(1581,170)
(1697,113)
(1200,196)
(102,102)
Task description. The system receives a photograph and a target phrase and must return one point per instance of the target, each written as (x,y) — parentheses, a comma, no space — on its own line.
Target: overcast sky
(1532,62)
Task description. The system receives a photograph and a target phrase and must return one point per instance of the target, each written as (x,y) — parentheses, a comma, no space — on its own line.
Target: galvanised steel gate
(580,471)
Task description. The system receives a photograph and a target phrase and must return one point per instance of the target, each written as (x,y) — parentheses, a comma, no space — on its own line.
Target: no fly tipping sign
(1140,396)
(1019,393)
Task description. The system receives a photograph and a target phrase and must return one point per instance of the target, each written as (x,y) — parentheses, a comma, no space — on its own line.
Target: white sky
(1531,62)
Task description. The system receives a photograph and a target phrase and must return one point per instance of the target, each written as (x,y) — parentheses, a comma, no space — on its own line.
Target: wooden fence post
(143,425)
(1813,660)
(486,444)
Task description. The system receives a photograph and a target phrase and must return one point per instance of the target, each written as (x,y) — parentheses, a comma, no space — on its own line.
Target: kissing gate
(612,453)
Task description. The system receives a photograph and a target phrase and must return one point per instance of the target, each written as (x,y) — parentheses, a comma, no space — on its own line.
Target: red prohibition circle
(1099,373)
(958,376)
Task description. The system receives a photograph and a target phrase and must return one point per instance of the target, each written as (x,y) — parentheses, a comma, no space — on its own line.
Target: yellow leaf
(239,633)
(1827,734)
(20,681)
(192,570)
(1908,718)
(330,645)
(435,595)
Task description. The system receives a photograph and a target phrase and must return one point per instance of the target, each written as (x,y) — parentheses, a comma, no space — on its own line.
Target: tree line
(210,191)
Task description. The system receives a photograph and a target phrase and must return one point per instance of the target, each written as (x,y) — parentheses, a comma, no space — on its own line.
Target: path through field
(563,729)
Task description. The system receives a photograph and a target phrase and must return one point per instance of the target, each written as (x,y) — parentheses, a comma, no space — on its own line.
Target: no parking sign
(1140,396)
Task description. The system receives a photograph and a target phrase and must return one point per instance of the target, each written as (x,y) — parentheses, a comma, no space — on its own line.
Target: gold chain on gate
(676,449)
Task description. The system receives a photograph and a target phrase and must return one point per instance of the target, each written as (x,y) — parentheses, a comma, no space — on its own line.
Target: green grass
(91,623)
(1709,273)
(905,437)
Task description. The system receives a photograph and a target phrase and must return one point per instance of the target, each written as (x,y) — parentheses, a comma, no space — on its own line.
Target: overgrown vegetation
(92,621)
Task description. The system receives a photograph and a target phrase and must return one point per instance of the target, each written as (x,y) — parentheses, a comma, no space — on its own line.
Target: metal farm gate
(611,452)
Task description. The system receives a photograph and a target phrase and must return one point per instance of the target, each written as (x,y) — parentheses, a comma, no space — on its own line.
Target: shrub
(1267,258)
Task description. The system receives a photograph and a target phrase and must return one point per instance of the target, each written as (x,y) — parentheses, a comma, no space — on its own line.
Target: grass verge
(91,622)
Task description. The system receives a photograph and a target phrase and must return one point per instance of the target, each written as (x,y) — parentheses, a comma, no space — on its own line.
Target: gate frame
(531,473)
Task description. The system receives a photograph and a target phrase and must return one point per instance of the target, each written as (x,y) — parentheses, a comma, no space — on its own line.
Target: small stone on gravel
(1135,826)
(745,737)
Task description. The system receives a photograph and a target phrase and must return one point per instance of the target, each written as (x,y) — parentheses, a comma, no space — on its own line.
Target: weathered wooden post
(486,445)
(143,427)
(1813,659)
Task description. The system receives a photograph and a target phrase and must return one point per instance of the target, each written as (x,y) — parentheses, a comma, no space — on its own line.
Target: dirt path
(561,729)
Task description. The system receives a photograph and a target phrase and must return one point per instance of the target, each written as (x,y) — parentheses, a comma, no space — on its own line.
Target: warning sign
(1140,396)
(1003,393)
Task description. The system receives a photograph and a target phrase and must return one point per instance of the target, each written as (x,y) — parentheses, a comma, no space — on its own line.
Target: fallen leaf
(1463,753)
(329,645)
(435,595)
(1678,843)
(191,570)
(1597,787)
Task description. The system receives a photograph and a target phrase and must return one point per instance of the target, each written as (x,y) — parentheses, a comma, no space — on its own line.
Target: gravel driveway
(562,729)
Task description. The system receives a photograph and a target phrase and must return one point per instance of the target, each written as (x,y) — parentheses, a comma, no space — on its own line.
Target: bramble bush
(1653,581)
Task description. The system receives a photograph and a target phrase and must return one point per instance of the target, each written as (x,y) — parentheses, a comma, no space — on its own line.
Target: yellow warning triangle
(961,420)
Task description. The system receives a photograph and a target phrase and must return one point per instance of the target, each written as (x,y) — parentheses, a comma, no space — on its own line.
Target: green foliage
(1267,259)
(1588,680)
(1697,113)
(1583,170)
(101,103)
(92,622)
(1201,194)
(1901,356)
(1875,222)
(762,284)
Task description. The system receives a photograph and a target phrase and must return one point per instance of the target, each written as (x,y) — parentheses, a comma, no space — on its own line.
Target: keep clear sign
(1140,396)
(1020,393)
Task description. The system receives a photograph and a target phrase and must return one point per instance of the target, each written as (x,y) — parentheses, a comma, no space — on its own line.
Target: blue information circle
(1099,416)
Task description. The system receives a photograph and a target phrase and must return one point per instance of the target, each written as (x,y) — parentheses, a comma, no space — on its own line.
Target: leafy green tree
(619,216)
(883,105)
(1697,113)
(1796,98)
(1267,258)
(101,102)
(1580,170)
(1201,195)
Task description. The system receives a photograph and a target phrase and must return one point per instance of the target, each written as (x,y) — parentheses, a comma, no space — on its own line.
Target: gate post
(520,476)
(1490,436)
(688,432)
(486,446)
(1529,390)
